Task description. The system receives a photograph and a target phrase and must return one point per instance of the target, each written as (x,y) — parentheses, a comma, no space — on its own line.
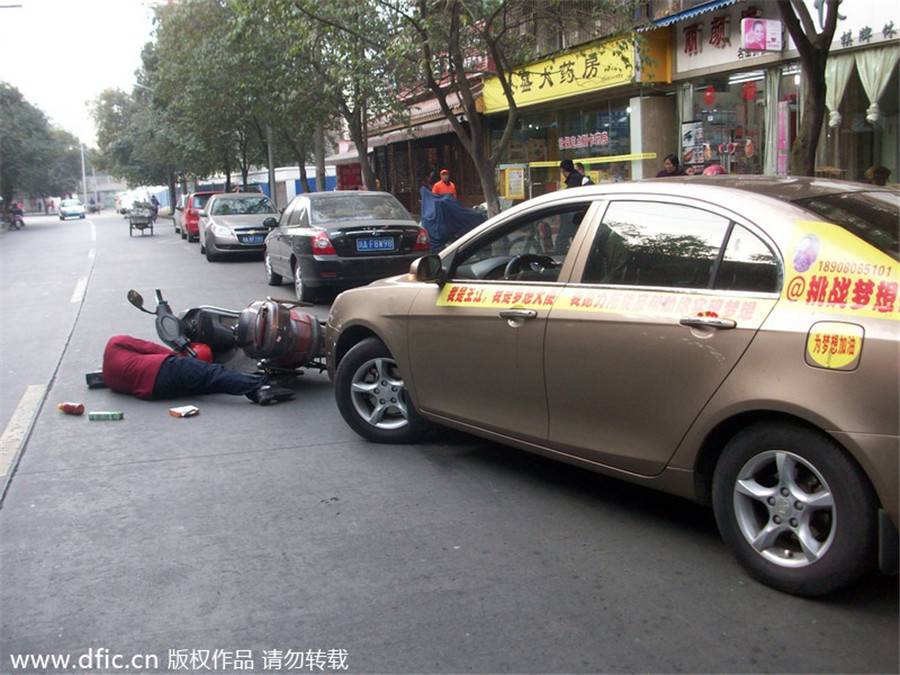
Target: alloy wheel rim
(379,395)
(785,509)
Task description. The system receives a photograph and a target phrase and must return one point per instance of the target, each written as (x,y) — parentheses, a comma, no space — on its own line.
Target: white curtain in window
(837,74)
(875,68)
(773,95)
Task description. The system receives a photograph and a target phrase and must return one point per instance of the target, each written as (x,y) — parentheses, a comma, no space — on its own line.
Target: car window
(286,215)
(241,206)
(356,207)
(748,264)
(299,216)
(655,244)
(871,216)
(532,247)
(199,201)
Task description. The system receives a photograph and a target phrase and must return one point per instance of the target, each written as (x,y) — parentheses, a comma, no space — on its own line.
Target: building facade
(690,82)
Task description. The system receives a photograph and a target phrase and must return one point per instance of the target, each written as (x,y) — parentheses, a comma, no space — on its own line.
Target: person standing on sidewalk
(444,186)
(570,176)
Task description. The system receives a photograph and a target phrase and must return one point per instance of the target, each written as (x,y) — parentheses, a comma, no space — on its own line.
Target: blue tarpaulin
(445,219)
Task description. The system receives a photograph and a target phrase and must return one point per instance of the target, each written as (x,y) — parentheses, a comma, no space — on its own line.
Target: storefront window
(586,134)
(858,143)
(728,123)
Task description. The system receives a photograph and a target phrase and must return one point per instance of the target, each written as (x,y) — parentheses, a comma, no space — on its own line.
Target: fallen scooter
(280,337)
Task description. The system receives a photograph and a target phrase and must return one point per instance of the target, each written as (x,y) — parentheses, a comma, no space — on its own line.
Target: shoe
(269,394)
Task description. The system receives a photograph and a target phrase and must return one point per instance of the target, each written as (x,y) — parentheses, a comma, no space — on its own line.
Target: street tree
(356,79)
(448,48)
(36,159)
(283,53)
(813,47)
(205,87)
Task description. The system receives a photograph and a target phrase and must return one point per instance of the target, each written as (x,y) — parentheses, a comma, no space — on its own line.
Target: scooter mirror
(136,299)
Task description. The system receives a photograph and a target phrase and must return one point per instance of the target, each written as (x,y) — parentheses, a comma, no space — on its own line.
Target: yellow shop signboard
(597,66)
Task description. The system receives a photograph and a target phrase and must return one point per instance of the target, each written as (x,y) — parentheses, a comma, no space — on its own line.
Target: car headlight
(220,230)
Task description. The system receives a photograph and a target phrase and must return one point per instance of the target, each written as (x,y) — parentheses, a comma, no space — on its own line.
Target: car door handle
(708,322)
(518,314)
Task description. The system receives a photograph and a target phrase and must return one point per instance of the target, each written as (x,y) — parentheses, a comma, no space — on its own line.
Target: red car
(190,215)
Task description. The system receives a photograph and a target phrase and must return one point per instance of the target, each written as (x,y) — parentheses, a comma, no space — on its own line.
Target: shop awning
(349,157)
(688,14)
(436,128)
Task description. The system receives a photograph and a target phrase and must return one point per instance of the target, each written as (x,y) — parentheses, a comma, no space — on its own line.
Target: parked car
(232,224)
(178,213)
(729,339)
(340,240)
(190,216)
(71,208)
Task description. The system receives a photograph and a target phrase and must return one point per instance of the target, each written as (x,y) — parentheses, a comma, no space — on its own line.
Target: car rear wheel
(796,511)
(372,397)
(272,277)
(304,292)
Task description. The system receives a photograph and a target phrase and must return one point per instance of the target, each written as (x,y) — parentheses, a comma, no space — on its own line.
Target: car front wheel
(796,511)
(372,397)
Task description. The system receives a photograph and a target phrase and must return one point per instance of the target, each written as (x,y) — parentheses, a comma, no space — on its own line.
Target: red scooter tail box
(283,337)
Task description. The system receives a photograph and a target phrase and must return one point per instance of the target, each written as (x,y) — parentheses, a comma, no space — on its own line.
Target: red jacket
(130,365)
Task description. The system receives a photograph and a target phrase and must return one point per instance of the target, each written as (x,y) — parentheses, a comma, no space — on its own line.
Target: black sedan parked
(340,240)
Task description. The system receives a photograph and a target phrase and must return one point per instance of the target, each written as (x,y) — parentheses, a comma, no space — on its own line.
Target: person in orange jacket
(444,186)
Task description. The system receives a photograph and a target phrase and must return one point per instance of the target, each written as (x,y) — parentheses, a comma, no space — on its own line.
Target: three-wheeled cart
(140,218)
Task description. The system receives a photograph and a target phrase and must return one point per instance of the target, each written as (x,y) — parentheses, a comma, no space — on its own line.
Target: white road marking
(80,288)
(19,425)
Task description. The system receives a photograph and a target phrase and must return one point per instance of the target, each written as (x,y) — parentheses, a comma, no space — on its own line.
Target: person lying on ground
(151,372)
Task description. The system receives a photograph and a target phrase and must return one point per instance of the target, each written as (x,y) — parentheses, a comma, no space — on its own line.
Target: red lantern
(749,91)
(709,95)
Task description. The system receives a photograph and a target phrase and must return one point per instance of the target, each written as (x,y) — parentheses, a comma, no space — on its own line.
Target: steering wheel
(537,263)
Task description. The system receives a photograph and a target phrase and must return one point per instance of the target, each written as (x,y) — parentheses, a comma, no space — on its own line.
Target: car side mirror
(270,222)
(202,213)
(427,268)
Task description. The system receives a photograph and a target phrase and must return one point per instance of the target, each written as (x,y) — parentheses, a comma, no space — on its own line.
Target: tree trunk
(319,156)
(803,152)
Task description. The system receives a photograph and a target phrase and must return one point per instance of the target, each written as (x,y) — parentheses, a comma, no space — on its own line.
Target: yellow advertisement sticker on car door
(834,345)
(830,269)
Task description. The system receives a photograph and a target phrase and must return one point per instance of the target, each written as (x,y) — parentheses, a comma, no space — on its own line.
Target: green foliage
(37,159)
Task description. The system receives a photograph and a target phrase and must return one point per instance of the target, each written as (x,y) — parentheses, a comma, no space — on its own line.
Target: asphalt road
(276,538)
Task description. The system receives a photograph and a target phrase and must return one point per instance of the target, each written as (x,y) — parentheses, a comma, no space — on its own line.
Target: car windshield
(242,206)
(71,202)
(356,207)
(871,216)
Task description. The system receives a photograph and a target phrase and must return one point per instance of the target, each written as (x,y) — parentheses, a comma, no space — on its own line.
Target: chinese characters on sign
(598,139)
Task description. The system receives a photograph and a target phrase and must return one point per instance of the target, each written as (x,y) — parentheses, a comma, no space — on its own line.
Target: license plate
(375,244)
(252,239)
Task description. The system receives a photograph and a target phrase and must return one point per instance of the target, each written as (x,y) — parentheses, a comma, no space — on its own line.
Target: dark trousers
(186,376)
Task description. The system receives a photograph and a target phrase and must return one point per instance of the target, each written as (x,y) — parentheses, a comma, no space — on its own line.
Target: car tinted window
(356,207)
(655,244)
(199,201)
(871,216)
(242,206)
(298,216)
(539,240)
(748,264)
